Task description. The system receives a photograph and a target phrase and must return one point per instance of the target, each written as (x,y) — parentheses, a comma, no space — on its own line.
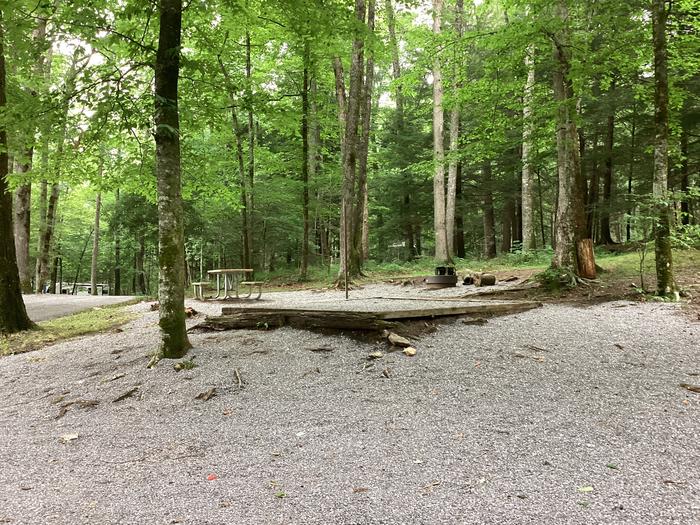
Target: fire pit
(445,277)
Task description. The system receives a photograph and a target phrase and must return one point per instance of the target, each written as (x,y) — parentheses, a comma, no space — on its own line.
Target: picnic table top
(231,270)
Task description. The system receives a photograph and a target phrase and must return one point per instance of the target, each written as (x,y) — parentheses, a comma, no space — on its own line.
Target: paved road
(49,306)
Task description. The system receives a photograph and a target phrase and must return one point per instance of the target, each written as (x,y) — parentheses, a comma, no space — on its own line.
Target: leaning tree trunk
(454,142)
(528,199)
(665,284)
(439,219)
(171,290)
(22,223)
(13,315)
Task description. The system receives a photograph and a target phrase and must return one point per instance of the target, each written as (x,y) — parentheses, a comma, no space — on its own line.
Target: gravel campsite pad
(557,415)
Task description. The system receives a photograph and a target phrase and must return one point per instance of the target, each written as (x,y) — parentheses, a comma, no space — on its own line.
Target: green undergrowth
(98,319)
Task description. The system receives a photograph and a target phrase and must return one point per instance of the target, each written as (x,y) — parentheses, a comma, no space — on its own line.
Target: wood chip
(206,396)
(386,373)
(360,490)
(692,388)
(397,340)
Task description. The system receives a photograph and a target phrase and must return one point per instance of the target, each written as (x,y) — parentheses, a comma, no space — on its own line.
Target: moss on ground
(98,319)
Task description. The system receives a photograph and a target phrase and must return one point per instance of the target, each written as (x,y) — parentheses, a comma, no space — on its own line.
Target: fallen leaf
(612,466)
(212,477)
(386,373)
(281,495)
(587,488)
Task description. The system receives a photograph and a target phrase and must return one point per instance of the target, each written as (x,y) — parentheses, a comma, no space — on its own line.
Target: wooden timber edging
(236,318)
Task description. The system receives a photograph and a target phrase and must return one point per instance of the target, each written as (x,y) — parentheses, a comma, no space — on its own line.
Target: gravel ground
(553,416)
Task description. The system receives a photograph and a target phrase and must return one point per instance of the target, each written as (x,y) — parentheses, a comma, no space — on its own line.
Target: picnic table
(233,278)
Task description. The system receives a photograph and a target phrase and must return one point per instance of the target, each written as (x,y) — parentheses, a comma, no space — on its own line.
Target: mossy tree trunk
(570,215)
(171,256)
(662,233)
(13,314)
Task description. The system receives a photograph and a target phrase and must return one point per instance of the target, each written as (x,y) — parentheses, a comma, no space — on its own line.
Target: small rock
(410,351)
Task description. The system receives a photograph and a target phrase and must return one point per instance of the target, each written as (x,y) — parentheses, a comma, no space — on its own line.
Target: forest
(144,142)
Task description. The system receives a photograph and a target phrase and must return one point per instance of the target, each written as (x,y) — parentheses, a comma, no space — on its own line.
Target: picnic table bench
(233,279)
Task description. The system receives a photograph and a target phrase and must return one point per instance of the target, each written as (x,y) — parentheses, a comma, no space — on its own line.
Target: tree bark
(305,162)
(350,261)
(454,141)
(43,197)
(250,181)
(22,223)
(662,232)
(361,201)
(13,314)
(171,256)
(685,174)
(459,217)
(439,219)
(489,217)
(570,218)
(95,244)
(507,225)
(528,197)
(117,247)
(606,236)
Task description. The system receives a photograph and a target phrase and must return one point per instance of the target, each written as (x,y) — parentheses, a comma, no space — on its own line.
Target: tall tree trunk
(665,284)
(570,219)
(22,223)
(349,261)
(43,197)
(250,181)
(459,217)
(606,236)
(171,256)
(489,217)
(238,133)
(305,162)
(685,174)
(13,314)
(95,244)
(47,236)
(507,225)
(528,197)
(592,190)
(117,289)
(454,141)
(439,219)
(405,204)
(361,199)
(139,271)
(46,240)
(630,174)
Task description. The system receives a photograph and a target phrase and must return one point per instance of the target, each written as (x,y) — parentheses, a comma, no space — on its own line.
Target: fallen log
(271,318)
(484,279)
